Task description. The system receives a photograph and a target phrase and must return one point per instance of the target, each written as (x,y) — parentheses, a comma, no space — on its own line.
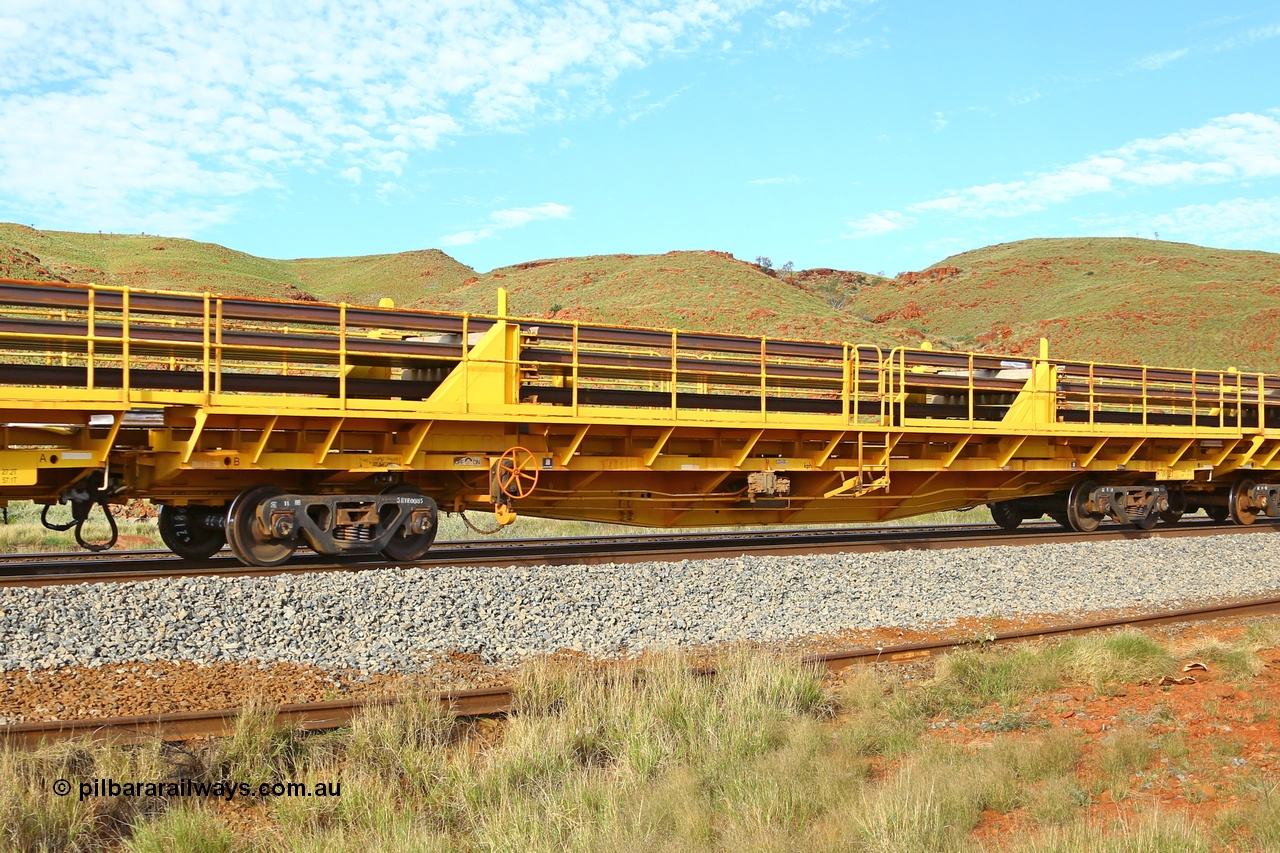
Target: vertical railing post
(675,369)
(89,343)
(764,390)
(844,384)
(902,392)
(885,380)
(1239,402)
(1144,396)
(573,376)
(1222,400)
(342,354)
(1262,401)
(1091,394)
(1194,406)
(971,389)
(124,345)
(466,362)
(217,346)
(205,348)
(886,386)
(855,411)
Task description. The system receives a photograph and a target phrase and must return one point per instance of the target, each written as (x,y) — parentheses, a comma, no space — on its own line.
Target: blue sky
(879,136)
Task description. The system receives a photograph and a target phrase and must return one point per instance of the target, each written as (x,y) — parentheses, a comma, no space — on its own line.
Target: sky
(874,135)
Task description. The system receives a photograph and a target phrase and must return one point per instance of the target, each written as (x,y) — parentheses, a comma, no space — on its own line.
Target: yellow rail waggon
(266,425)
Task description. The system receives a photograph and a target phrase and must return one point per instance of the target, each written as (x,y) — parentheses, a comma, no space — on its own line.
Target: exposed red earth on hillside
(1108,299)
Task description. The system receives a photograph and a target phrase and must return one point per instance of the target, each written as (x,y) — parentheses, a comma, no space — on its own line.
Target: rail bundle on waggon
(266,425)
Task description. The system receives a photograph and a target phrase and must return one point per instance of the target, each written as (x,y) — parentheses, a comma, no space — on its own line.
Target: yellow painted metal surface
(191,399)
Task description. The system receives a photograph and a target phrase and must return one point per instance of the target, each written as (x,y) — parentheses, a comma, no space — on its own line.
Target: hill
(704,291)
(174,264)
(1104,299)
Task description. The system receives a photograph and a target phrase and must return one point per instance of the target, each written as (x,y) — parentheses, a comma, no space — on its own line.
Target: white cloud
(939,122)
(139,108)
(638,110)
(1249,37)
(512,217)
(874,224)
(1236,223)
(1235,148)
(788,21)
(1156,61)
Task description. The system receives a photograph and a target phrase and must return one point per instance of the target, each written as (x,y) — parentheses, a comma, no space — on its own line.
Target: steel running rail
(620,549)
(318,716)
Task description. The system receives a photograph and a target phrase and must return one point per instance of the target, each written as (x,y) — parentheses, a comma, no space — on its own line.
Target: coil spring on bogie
(353,532)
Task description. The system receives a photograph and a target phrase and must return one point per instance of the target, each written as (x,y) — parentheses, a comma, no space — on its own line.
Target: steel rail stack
(267,424)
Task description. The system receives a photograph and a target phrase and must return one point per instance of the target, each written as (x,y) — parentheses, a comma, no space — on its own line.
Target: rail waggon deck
(271,423)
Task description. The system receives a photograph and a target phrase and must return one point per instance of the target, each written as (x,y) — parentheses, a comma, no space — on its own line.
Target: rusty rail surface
(318,716)
(630,549)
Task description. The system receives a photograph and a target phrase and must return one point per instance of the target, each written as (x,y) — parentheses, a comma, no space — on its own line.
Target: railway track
(318,716)
(48,570)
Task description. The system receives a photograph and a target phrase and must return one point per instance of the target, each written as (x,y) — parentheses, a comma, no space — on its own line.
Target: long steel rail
(30,571)
(316,716)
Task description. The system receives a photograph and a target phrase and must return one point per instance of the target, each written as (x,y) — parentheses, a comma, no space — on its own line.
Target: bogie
(265,525)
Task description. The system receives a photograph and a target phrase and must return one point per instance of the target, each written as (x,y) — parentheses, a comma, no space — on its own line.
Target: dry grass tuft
(654,756)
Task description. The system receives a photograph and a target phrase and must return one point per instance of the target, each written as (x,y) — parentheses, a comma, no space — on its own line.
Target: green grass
(34,818)
(972,678)
(24,534)
(1237,660)
(191,830)
(654,756)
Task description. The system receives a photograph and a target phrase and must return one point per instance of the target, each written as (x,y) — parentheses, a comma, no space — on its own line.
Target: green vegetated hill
(1121,300)
(1104,299)
(704,291)
(174,264)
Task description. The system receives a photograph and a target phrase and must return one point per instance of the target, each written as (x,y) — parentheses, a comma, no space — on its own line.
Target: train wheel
(1078,515)
(408,547)
(1061,518)
(1218,513)
(1177,508)
(1240,502)
(248,541)
(1005,514)
(185,534)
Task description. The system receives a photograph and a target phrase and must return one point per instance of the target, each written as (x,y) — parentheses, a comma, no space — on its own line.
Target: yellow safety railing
(108,330)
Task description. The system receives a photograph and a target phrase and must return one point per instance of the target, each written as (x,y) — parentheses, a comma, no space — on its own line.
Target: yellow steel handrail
(1154,392)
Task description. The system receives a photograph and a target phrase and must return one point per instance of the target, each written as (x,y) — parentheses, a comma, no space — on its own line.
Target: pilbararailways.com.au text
(222,789)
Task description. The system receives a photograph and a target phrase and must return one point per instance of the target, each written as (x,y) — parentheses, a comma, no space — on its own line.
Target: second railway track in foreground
(320,716)
(324,715)
(54,569)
